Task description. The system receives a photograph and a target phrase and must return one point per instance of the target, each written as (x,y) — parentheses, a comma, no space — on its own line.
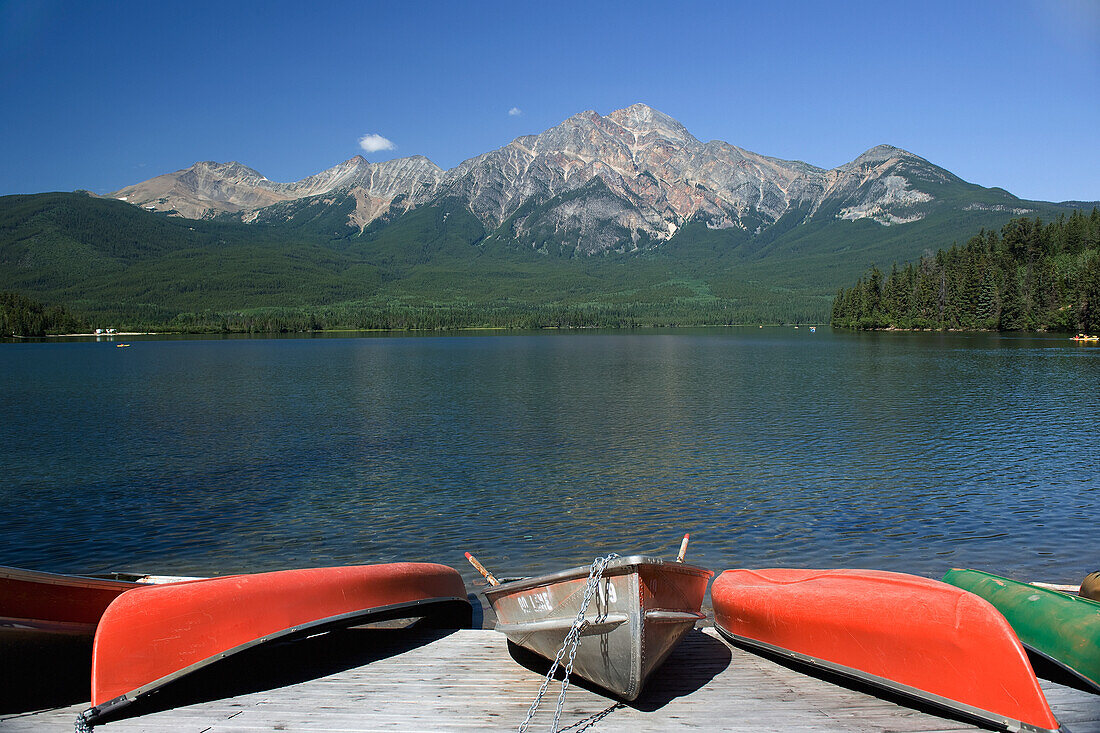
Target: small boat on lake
(625,620)
(919,637)
(151,637)
(1084,337)
(1063,628)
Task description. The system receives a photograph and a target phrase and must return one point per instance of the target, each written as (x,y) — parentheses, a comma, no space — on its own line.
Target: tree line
(456,317)
(22,316)
(1030,276)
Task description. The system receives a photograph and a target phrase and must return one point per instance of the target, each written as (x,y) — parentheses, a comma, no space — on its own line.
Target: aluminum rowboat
(1062,628)
(642,607)
(151,637)
(919,637)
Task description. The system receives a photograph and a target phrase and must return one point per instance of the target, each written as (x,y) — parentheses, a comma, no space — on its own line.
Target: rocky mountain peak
(232,169)
(641,119)
(413,164)
(421,160)
(628,179)
(351,166)
(879,154)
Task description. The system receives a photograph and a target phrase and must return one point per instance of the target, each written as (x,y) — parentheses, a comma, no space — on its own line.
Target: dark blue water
(773,447)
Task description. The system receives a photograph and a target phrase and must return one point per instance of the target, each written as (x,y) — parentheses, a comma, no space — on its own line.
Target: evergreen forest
(71,262)
(1031,276)
(22,316)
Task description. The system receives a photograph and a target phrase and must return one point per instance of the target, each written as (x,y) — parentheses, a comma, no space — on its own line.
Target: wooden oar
(481,569)
(683,548)
(1062,587)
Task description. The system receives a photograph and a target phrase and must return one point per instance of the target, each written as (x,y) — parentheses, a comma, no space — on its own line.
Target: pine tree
(1033,276)
(1088,314)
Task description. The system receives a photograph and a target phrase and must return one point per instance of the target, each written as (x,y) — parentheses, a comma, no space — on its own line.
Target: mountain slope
(433,266)
(208,189)
(98,255)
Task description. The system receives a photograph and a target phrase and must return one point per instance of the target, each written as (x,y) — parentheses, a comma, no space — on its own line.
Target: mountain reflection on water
(773,447)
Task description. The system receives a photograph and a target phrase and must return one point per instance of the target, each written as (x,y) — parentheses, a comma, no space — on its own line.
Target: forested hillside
(21,316)
(116,265)
(1030,276)
(113,264)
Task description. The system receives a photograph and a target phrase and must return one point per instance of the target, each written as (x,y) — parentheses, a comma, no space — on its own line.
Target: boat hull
(1063,628)
(642,607)
(152,637)
(915,636)
(38,605)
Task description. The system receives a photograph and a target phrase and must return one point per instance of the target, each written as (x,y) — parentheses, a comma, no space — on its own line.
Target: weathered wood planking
(370,680)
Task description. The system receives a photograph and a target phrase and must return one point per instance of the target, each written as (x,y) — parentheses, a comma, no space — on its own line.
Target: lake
(536,451)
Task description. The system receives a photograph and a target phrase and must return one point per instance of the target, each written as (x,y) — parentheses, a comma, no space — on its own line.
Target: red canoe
(156,635)
(34,603)
(920,637)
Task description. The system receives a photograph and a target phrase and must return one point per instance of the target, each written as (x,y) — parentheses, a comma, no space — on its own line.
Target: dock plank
(368,680)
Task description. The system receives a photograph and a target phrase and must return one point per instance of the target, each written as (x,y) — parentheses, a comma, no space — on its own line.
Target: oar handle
(481,569)
(683,548)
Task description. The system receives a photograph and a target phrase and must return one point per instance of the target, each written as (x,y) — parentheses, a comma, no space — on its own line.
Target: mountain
(207,189)
(626,181)
(618,219)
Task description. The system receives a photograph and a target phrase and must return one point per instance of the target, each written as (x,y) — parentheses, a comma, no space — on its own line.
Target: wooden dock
(386,680)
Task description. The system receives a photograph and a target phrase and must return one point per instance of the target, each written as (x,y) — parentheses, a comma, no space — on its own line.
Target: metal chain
(569,645)
(82,725)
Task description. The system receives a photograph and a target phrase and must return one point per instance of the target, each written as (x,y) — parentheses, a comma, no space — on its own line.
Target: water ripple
(909,452)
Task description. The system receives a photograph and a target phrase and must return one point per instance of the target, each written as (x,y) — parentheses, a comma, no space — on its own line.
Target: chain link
(569,645)
(82,725)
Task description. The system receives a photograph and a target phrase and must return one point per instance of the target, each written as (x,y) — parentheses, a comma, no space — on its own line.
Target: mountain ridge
(623,219)
(657,176)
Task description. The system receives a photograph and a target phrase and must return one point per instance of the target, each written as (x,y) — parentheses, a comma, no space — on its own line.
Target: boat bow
(151,637)
(640,608)
(916,636)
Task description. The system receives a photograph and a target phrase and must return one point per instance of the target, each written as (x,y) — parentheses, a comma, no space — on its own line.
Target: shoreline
(462,329)
(97,335)
(419,330)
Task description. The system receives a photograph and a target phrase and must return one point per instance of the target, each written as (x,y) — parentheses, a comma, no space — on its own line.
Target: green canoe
(1063,628)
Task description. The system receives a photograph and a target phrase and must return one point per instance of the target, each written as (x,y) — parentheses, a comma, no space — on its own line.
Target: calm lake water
(773,447)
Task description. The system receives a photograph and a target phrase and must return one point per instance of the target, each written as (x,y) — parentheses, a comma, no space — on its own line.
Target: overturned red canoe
(920,637)
(37,603)
(154,636)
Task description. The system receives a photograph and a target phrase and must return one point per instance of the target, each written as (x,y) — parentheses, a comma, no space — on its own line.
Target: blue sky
(100,95)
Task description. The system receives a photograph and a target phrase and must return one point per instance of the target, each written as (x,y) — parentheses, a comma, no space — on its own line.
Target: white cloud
(515,112)
(373,142)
